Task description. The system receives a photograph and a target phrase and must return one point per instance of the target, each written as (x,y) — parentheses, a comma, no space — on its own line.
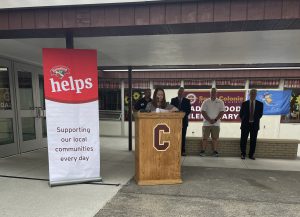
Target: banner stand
(72,105)
(71,182)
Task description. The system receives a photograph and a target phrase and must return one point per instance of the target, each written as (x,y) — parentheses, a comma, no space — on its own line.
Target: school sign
(232,100)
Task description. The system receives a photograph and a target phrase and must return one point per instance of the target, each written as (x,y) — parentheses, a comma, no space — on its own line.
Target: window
(138,88)
(109,95)
(136,95)
(138,84)
(5,100)
(230,84)
(198,84)
(294,114)
(167,83)
(264,84)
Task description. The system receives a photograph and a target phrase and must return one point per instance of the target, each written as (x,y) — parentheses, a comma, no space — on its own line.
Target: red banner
(232,100)
(71,75)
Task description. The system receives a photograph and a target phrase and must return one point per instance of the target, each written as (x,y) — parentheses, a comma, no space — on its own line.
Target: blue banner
(276,102)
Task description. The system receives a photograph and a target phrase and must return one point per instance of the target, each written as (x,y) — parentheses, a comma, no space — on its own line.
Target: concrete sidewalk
(22,197)
(34,198)
(212,192)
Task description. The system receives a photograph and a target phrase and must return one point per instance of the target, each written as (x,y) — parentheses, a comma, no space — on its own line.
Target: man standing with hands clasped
(250,114)
(183,104)
(212,111)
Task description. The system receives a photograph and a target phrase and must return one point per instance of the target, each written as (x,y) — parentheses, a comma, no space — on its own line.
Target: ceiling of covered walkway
(253,47)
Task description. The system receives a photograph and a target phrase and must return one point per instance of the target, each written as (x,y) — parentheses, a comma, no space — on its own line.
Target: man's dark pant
(183,134)
(244,137)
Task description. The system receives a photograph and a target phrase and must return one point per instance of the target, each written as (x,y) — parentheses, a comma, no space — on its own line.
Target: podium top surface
(160,115)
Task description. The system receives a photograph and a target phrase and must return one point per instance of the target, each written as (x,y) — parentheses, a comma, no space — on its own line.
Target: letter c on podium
(158,130)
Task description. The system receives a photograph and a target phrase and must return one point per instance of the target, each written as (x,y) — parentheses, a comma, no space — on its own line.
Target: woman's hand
(174,109)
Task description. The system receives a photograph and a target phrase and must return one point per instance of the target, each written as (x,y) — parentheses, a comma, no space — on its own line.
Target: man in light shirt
(212,111)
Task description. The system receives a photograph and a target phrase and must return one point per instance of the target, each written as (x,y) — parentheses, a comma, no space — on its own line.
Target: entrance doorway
(22,108)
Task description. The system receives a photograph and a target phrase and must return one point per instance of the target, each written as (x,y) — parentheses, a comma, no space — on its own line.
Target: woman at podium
(159,103)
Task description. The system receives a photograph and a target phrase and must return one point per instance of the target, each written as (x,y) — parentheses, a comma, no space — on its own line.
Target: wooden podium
(158,148)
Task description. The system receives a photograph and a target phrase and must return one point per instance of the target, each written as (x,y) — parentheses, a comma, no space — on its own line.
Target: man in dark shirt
(142,103)
(250,114)
(183,104)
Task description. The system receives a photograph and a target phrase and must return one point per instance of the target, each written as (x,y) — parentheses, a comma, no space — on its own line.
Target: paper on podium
(161,110)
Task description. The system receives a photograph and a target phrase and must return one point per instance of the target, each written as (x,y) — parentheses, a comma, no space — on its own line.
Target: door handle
(37,112)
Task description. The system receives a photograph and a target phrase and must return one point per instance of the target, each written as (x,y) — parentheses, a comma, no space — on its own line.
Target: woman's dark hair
(154,101)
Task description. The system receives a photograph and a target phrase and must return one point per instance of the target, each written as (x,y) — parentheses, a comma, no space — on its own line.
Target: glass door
(8,129)
(30,107)
(42,108)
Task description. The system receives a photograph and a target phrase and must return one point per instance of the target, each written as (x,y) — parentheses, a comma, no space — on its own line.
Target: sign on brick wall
(232,100)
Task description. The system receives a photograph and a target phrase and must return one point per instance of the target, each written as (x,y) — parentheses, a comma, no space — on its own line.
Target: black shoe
(252,157)
(202,153)
(243,156)
(215,154)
